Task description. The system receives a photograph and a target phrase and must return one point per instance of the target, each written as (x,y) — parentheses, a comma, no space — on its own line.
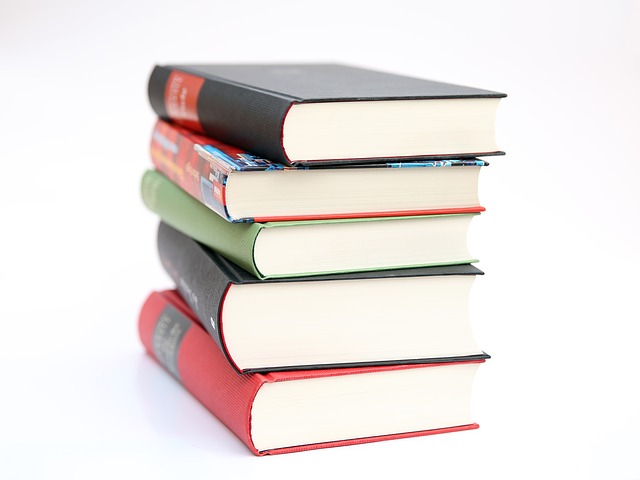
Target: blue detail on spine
(438,163)
(222,164)
(242,162)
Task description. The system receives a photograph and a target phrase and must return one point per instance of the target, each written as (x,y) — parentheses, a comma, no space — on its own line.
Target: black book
(417,315)
(327,114)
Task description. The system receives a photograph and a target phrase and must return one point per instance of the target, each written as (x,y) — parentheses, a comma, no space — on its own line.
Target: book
(416,315)
(326,113)
(242,187)
(285,412)
(315,247)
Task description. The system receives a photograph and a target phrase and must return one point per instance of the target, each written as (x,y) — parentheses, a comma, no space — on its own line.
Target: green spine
(234,241)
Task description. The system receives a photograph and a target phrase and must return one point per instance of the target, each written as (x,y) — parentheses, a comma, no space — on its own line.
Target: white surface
(558,308)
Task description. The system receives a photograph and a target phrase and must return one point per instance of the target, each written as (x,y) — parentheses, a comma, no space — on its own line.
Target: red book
(284,412)
(242,187)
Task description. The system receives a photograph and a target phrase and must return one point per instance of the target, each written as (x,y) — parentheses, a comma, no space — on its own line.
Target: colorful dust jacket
(173,338)
(236,241)
(201,166)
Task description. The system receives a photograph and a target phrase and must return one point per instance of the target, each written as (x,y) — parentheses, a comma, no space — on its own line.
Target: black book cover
(245,105)
(202,277)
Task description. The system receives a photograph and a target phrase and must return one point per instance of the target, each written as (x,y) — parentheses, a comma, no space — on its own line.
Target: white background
(558,307)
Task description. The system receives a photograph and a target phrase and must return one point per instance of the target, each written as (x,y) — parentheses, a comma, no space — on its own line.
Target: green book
(313,247)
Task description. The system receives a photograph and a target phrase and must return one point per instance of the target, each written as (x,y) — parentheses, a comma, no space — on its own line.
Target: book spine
(174,154)
(200,281)
(248,118)
(235,241)
(173,339)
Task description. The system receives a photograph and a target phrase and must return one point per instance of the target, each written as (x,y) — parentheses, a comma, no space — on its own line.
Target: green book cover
(177,208)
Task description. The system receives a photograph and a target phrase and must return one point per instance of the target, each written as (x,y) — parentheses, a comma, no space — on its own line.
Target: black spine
(201,282)
(157,84)
(248,118)
(377,363)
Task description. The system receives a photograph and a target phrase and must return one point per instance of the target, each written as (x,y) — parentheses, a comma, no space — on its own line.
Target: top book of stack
(327,114)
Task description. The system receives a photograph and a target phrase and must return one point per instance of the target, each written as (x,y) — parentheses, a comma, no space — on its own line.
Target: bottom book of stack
(281,412)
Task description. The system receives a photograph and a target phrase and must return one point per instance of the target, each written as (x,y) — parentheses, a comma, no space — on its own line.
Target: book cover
(201,166)
(234,240)
(174,339)
(246,105)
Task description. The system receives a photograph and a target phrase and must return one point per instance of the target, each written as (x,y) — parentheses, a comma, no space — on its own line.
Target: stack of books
(314,220)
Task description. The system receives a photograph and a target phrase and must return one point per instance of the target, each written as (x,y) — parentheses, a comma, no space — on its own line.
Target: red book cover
(173,337)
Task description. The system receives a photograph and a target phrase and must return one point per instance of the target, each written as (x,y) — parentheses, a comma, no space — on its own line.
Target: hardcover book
(293,249)
(286,412)
(416,315)
(326,113)
(240,186)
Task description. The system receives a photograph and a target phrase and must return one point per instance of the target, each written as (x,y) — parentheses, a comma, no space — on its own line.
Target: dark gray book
(327,114)
(415,315)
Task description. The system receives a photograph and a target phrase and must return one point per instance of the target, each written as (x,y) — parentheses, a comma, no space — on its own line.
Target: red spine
(203,369)
(181,99)
(173,154)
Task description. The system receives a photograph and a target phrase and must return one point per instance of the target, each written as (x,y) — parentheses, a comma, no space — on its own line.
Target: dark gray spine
(235,114)
(201,283)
